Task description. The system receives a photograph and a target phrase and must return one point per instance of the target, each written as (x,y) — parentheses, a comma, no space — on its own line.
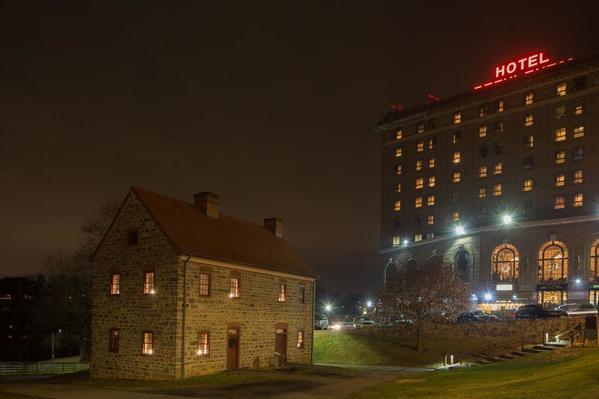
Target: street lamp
(459,230)
(488,296)
(369,304)
(507,219)
(328,308)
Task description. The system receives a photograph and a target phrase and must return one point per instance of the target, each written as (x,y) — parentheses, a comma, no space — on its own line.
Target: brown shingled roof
(224,238)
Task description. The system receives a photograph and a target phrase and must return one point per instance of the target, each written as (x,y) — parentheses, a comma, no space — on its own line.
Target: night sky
(269,105)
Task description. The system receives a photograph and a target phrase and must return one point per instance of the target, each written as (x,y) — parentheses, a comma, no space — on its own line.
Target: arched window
(506,263)
(390,272)
(461,263)
(594,258)
(553,262)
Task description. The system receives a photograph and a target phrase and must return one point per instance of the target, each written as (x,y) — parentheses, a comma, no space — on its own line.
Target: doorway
(281,344)
(232,348)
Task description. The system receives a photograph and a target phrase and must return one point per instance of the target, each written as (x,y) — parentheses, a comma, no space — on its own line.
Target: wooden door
(233,348)
(281,344)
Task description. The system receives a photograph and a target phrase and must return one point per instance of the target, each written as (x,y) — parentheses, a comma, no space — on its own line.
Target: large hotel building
(502,182)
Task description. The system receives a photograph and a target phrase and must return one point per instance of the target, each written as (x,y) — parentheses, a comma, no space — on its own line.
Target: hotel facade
(500,182)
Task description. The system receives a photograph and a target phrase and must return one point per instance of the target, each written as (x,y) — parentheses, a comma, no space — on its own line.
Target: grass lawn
(565,374)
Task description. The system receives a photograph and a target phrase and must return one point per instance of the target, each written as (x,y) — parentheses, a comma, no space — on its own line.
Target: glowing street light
(406,242)
(488,296)
(578,281)
(328,307)
(507,219)
(368,304)
(459,230)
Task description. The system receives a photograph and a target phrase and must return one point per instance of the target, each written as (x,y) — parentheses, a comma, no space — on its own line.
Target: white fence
(39,368)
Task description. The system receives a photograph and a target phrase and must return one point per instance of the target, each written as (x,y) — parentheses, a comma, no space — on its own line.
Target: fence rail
(40,368)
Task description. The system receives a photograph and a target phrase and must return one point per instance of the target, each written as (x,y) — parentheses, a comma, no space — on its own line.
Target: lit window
(431,181)
(430,200)
(529,98)
(529,120)
(457,118)
(419,183)
(561,89)
(149,283)
(282,291)
(420,146)
(456,177)
(420,128)
(431,143)
(115,284)
(527,185)
(419,165)
(577,153)
(396,241)
(560,111)
(397,206)
(455,216)
(578,132)
(528,141)
(560,157)
(398,152)
(204,284)
(418,237)
(500,106)
(456,137)
(578,200)
(482,171)
(560,180)
(456,157)
(147,347)
(113,340)
(482,192)
(431,163)
(497,189)
(559,202)
(398,187)
(560,134)
(398,170)
(399,135)
(579,108)
(300,339)
(482,131)
(578,176)
(234,287)
(203,343)
(418,202)
(430,219)
(498,168)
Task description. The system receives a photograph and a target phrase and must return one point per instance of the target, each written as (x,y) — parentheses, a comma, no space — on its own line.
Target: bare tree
(423,292)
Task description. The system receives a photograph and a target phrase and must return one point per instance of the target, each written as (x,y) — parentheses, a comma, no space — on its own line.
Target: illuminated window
(560,111)
(396,241)
(528,141)
(559,202)
(398,187)
(579,108)
(456,177)
(431,143)
(455,216)
(430,219)
(456,157)
(430,200)
(149,283)
(419,165)
(594,267)
(431,181)
(397,205)
(506,264)
(203,343)
(498,126)
(497,189)
(482,171)
(482,111)
(529,120)
(456,137)
(113,340)
(560,157)
(561,89)
(431,163)
(398,170)
(233,287)
(578,176)
(578,200)
(529,98)
(560,134)
(482,131)
(300,339)
(147,346)
(419,183)
(115,284)
(482,192)
(420,128)
(578,132)
(418,237)
(577,153)
(560,180)
(457,118)
(282,291)
(398,152)
(527,185)
(399,135)
(553,262)
(500,107)
(418,202)
(204,284)
(498,168)
(420,146)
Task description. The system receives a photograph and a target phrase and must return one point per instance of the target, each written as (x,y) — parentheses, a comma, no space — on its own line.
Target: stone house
(181,290)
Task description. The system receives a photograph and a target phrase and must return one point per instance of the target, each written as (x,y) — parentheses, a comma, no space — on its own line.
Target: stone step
(553,345)
(543,348)
(518,353)
(530,350)
(506,356)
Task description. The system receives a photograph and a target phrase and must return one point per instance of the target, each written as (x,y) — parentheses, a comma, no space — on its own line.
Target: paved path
(379,368)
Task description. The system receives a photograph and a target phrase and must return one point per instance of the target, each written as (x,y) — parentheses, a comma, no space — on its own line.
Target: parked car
(537,311)
(364,323)
(342,325)
(478,315)
(321,322)
(578,308)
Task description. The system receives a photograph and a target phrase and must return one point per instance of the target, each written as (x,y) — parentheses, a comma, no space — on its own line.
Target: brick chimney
(207,202)
(275,225)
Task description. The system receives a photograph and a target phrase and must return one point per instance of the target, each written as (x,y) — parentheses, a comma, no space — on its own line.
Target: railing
(40,368)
